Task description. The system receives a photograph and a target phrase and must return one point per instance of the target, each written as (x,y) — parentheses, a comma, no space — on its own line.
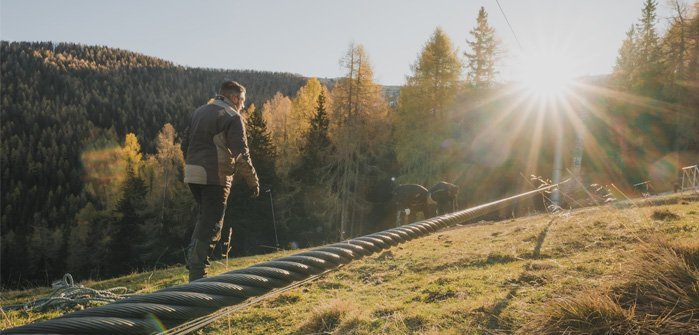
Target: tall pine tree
(252,221)
(649,57)
(483,55)
(316,150)
(263,151)
(127,232)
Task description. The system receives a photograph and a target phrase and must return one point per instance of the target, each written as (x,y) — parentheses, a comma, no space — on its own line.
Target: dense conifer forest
(92,166)
(66,109)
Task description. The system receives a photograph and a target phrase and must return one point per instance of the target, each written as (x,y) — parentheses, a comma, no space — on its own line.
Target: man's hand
(255,192)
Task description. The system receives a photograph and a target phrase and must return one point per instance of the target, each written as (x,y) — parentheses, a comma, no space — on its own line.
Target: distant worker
(410,199)
(444,194)
(217,148)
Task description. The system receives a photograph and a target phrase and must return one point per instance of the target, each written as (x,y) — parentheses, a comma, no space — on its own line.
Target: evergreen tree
(421,117)
(317,147)
(262,149)
(80,258)
(64,108)
(126,234)
(251,221)
(649,58)
(45,252)
(303,107)
(484,49)
(310,195)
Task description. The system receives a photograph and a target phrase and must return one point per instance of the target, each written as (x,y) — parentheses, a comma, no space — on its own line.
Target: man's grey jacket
(217,146)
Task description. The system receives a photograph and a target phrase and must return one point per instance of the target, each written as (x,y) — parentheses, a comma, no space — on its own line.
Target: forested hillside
(92,165)
(65,106)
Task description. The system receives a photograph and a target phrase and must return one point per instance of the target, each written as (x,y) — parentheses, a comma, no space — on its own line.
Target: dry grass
(326,319)
(664,215)
(589,313)
(659,294)
(593,270)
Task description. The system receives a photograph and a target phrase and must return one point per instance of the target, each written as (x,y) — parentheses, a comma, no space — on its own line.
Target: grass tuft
(327,318)
(497,258)
(666,282)
(540,265)
(664,215)
(584,314)
(283,300)
(659,294)
(436,293)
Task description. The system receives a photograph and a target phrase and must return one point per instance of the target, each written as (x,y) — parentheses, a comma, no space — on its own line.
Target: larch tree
(422,115)
(679,55)
(168,198)
(625,67)
(131,152)
(277,116)
(303,107)
(676,45)
(483,53)
(166,166)
(359,128)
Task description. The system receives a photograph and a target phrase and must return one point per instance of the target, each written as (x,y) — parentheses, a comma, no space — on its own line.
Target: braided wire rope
(201,322)
(195,302)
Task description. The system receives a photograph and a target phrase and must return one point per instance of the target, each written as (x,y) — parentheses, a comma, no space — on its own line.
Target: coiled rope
(174,306)
(66,294)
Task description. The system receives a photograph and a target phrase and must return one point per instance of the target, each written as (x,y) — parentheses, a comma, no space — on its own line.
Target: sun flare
(545,74)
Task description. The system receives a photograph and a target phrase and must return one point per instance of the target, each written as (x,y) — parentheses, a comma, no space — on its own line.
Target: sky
(308,37)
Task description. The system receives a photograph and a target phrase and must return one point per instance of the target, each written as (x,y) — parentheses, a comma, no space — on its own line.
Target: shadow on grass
(494,321)
(540,240)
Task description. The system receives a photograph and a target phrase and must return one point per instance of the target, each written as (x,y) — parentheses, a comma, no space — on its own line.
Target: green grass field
(593,270)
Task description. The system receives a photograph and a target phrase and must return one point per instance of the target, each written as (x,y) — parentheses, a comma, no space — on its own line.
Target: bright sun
(546,74)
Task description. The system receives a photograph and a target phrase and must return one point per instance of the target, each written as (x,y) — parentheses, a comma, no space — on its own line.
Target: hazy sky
(309,37)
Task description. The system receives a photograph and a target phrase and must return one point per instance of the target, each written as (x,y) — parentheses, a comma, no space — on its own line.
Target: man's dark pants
(211,200)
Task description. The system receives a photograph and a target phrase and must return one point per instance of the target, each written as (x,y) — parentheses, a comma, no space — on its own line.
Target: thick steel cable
(204,321)
(173,306)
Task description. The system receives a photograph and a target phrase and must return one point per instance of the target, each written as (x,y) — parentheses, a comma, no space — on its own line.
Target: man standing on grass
(217,149)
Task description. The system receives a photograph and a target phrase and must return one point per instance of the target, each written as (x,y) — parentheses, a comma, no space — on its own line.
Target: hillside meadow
(609,269)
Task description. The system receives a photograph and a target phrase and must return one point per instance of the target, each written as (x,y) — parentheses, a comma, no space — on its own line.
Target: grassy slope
(475,279)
